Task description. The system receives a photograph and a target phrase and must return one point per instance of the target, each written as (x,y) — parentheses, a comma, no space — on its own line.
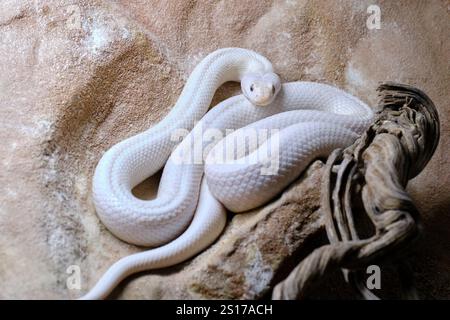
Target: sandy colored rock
(254,248)
(76,77)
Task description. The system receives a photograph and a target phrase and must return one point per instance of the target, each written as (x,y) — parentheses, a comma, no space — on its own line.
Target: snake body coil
(307,120)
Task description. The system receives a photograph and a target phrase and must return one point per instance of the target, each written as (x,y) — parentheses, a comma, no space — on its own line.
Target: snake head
(261,90)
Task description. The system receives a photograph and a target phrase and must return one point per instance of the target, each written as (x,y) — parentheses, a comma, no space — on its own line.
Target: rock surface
(253,250)
(78,76)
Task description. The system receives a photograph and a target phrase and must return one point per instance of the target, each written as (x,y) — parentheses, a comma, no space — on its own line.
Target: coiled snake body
(306,120)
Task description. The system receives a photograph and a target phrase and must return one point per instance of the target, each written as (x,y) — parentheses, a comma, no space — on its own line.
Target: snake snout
(263,94)
(261,90)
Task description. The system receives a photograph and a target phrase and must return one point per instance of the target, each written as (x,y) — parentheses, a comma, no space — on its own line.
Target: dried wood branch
(373,172)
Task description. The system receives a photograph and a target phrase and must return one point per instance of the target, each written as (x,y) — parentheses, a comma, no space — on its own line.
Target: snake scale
(306,120)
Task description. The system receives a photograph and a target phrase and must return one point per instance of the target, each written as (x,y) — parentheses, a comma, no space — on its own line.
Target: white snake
(189,213)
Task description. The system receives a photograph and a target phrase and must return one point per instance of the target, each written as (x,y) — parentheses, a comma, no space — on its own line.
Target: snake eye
(252,87)
(273,89)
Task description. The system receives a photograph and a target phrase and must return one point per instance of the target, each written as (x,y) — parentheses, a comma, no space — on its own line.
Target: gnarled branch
(369,178)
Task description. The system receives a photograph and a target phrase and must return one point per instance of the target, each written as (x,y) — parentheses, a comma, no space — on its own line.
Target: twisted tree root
(373,172)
